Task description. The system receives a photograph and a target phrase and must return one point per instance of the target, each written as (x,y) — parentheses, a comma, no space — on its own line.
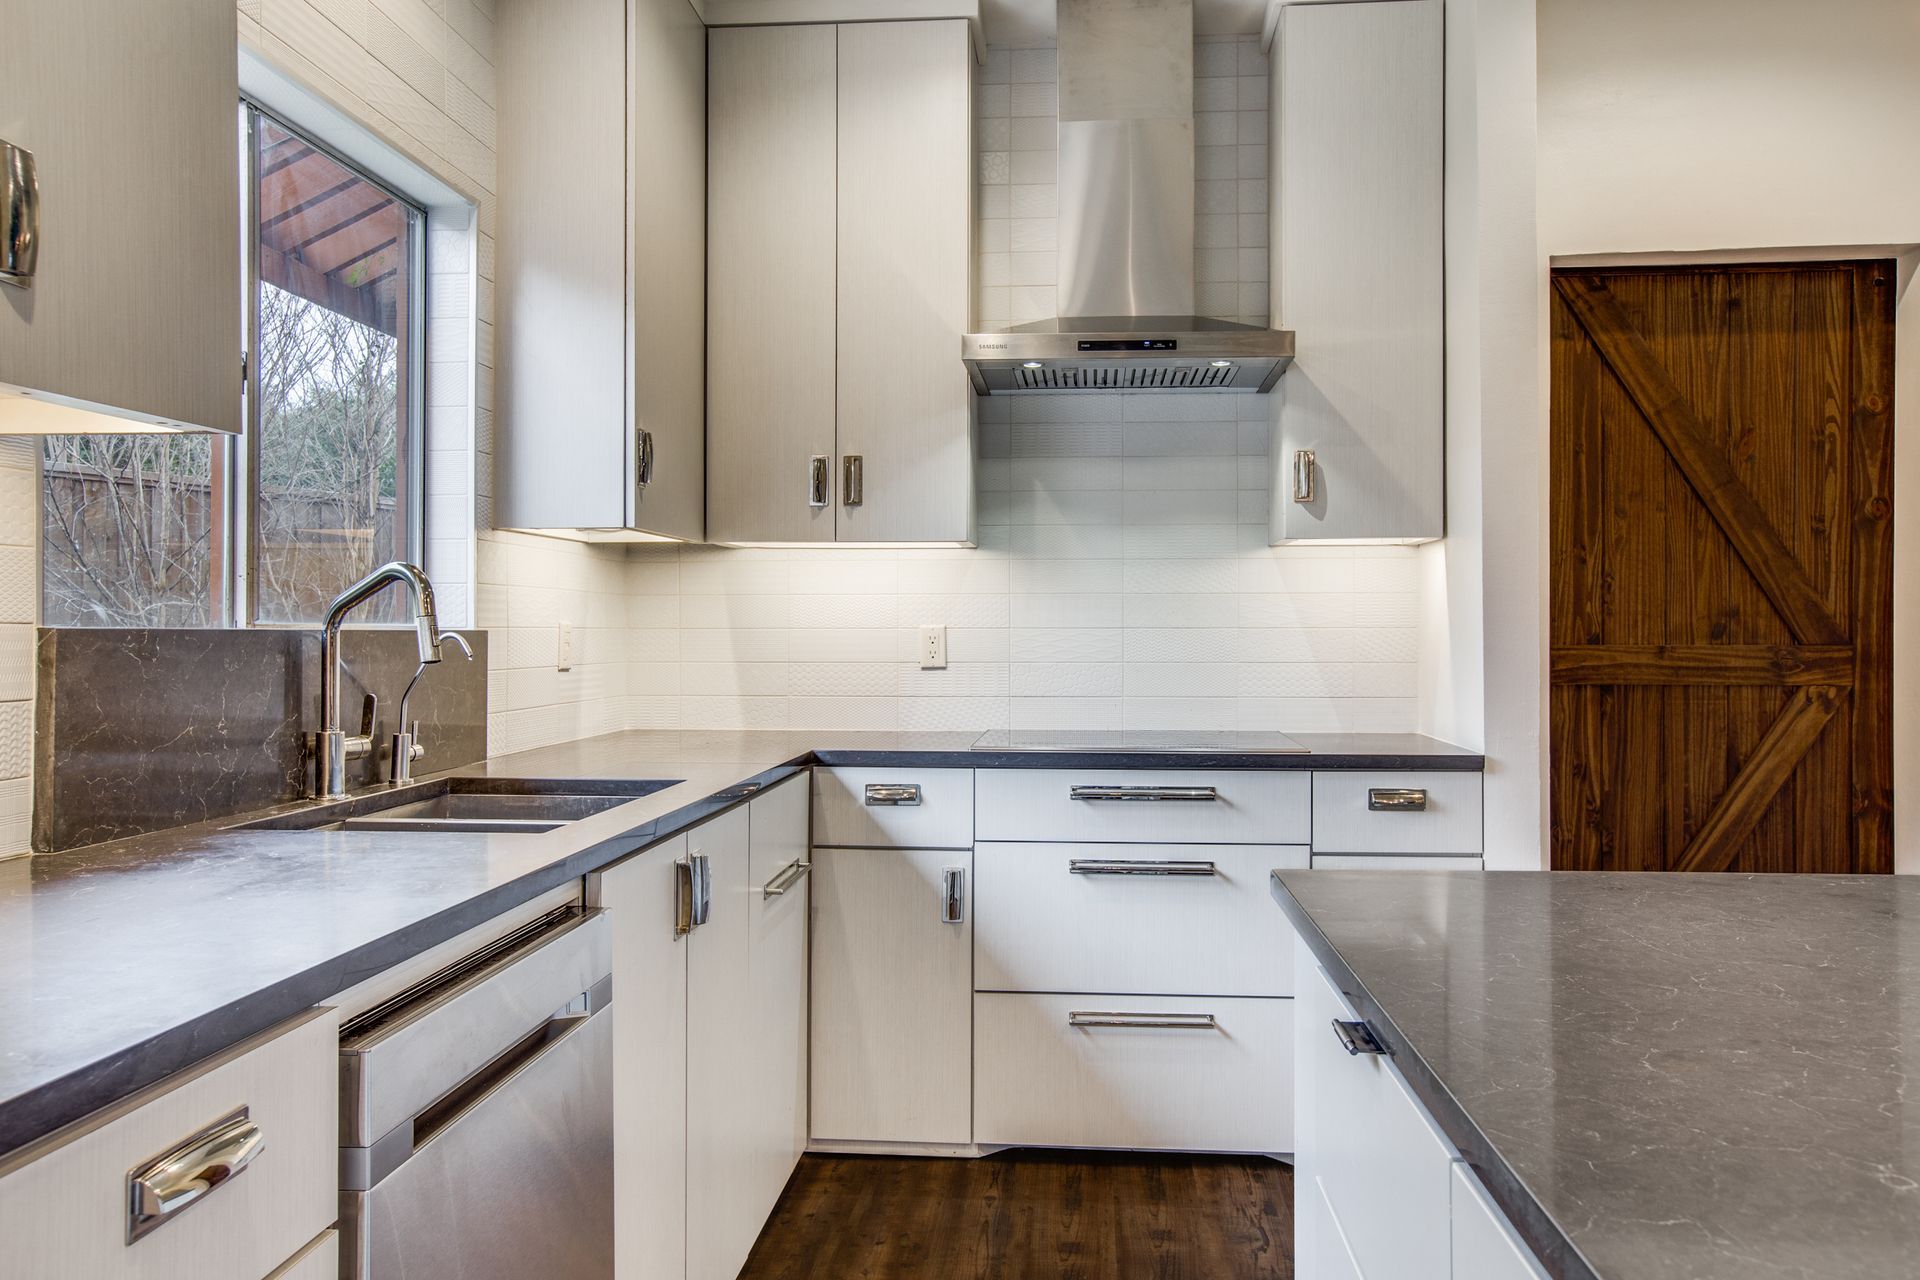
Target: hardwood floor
(1031,1215)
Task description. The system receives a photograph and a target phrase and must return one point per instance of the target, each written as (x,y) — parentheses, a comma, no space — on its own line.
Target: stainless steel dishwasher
(476,1115)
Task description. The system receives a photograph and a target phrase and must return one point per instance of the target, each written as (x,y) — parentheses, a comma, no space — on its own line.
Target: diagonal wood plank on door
(1705,466)
(1773,761)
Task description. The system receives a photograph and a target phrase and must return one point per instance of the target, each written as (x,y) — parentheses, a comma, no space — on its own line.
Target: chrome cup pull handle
(1127,867)
(162,1188)
(853,486)
(785,878)
(953,895)
(1357,1037)
(1166,1021)
(695,894)
(893,793)
(1397,799)
(1144,793)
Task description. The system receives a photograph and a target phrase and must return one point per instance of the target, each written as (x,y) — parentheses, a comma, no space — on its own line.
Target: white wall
(1484,658)
(1764,126)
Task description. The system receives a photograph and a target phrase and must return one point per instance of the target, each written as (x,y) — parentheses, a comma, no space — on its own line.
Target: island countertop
(1658,1077)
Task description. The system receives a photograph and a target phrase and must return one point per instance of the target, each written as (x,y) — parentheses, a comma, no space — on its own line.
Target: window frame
(242,465)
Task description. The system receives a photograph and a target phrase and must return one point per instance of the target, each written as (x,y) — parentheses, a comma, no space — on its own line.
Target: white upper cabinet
(840,215)
(1357,272)
(130,112)
(601,273)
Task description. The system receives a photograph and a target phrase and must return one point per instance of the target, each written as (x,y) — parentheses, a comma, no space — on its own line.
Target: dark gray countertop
(1658,1076)
(124,962)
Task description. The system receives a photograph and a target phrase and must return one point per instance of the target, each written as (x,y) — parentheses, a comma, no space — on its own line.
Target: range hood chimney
(1126,226)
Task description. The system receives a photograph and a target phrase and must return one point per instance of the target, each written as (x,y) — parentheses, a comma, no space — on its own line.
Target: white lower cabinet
(706,1077)
(272,1101)
(1485,1246)
(892,996)
(1151,1072)
(1380,1193)
(320,1260)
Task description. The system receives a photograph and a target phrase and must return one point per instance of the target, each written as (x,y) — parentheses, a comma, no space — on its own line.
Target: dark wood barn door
(1721,573)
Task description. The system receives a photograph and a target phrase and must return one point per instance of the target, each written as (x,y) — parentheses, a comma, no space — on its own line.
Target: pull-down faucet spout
(332,747)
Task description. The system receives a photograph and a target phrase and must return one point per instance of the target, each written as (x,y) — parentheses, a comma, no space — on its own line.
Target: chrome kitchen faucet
(332,748)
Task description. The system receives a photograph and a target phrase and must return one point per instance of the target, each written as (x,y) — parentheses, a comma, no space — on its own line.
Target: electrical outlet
(933,647)
(565,661)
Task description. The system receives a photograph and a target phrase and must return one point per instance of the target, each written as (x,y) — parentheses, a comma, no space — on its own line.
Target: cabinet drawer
(1116,1080)
(1367,1144)
(893,808)
(1201,806)
(1165,919)
(64,1205)
(1396,813)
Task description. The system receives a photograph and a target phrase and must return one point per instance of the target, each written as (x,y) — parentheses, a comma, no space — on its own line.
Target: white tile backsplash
(19,610)
(1122,579)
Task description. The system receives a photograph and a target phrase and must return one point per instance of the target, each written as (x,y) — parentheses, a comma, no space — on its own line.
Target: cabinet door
(649,1011)
(1485,1245)
(1365,1144)
(770,281)
(892,997)
(779,986)
(721,1048)
(666,265)
(131,114)
(1357,269)
(561,460)
(905,224)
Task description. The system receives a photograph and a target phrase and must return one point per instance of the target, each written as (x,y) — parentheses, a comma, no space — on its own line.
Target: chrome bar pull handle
(1303,473)
(1357,1037)
(1126,867)
(1168,1021)
(953,895)
(643,467)
(162,1188)
(819,478)
(1397,799)
(683,898)
(785,878)
(893,793)
(853,480)
(1144,793)
(19,216)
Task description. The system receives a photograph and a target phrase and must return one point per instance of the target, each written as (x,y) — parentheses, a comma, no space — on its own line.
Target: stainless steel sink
(502,805)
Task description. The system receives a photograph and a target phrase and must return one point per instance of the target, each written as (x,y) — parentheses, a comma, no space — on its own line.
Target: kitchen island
(1654,1076)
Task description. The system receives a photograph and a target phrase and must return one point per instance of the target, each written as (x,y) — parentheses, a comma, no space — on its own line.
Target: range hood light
(1222,364)
(1031,364)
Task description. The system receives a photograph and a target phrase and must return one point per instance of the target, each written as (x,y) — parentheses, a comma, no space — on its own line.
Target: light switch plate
(933,647)
(565,661)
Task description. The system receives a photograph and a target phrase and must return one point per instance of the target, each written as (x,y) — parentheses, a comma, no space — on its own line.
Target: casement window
(201,531)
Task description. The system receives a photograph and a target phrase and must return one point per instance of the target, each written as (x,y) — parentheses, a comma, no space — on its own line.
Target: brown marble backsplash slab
(141,730)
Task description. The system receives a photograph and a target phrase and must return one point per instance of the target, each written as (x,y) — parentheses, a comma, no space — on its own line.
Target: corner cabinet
(600,377)
(839,230)
(1359,420)
(130,114)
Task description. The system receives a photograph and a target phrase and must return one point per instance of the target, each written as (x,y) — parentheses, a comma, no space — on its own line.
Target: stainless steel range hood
(1126,226)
